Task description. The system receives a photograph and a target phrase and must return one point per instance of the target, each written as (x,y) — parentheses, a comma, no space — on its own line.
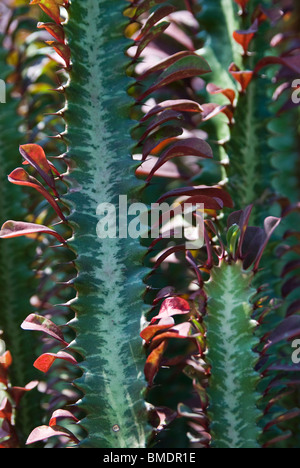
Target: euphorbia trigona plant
(165,345)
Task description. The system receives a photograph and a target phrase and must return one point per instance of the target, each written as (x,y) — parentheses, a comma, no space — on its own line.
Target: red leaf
(6,410)
(159,14)
(165,417)
(185,67)
(178,331)
(45,432)
(156,31)
(172,306)
(157,141)
(50,7)
(45,361)
(35,156)
(208,202)
(169,169)
(214,192)
(180,105)
(271,223)
(165,116)
(20,177)
(229,93)
(153,361)
(18,228)
(56,30)
(39,323)
(167,62)
(242,77)
(62,50)
(61,414)
(148,332)
(211,109)
(163,293)
(187,147)
(245,37)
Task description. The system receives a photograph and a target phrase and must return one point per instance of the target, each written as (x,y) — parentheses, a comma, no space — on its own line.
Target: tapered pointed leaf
(46,432)
(20,177)
(50,7)
(56,30)
(179,105)
(18,228)
(158,15)
(185,67)
(243,77)
(187,147)
(40,323)
(172,306)
(35,156)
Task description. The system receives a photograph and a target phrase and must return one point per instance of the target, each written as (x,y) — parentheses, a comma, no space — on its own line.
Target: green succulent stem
(230,340)
(109,305)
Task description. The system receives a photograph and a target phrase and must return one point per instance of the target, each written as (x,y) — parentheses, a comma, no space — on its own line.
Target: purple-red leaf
(211,109)
(172,306)
(20,177)
(164,324)
(159,14)
(18,228)
(186,67)
(180,105)
(45,432)
(35,156)
(165,116)
(150,36)
(59,415)
(160,139)
(40,323)
(56,30)
(153,361)
(62,50)
(187,147)
(165,63)
(270,224)
(214,192)
(287,330)
(181,331)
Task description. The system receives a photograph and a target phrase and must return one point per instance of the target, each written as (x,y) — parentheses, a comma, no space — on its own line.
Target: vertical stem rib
(109,285)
